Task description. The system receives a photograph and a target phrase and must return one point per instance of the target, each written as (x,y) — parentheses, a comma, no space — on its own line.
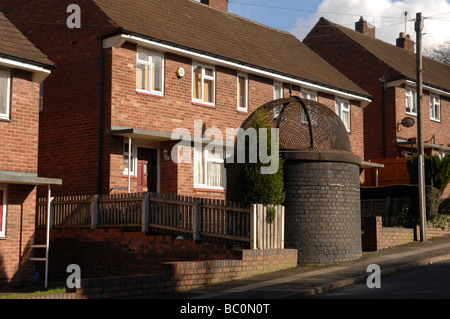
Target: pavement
(305,281)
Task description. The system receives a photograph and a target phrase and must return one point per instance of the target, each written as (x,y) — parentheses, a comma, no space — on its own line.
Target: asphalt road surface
(427,282)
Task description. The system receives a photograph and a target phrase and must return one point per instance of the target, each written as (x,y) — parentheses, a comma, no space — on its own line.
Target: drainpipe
(129,163)
(100,139)
(383,115)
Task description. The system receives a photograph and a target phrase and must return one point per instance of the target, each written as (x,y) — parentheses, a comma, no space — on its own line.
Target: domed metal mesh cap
(305,125)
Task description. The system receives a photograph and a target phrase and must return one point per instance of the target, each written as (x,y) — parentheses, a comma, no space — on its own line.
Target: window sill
(132,176)
(210,190)
(412,114)
(148,93)
(212,106)
(436,121)
(242,111)
(5,119)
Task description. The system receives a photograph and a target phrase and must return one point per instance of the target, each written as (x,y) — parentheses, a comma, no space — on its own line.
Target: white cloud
(388,16)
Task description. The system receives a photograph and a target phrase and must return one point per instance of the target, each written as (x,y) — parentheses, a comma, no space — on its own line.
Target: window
(203,84)
(5,85)
(150,72)
(126,157)
(343,111)
(2,212)
(242,92)
(310,95)
(435,108)
(209,169)
(41,96)
(411,101)
(277,90)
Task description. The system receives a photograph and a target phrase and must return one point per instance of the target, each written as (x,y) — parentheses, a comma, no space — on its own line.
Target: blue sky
(298,17)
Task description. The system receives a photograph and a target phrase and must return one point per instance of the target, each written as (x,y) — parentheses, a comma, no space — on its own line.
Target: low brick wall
(183,276)
(377,237)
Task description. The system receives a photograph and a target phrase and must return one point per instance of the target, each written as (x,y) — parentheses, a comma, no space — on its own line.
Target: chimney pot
(218,4)
(364,27)
(405,42)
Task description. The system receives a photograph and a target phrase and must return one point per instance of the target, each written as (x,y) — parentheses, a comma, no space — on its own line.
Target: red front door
(142,182)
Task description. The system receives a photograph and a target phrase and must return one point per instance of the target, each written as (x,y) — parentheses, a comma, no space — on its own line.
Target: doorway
(147,170)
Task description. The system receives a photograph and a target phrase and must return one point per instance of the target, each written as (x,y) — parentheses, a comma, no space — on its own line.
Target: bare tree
(439,53)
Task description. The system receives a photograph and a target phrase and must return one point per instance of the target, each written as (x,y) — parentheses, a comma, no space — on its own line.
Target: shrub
(254,187)
(437,171)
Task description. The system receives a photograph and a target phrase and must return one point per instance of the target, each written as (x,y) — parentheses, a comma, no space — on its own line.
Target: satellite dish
(406,122)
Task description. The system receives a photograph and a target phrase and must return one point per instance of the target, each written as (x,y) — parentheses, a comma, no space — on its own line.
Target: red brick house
(137,70)
(22,69)
(388,73)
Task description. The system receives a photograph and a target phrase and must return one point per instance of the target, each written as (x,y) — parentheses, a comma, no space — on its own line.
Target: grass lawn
(53,288)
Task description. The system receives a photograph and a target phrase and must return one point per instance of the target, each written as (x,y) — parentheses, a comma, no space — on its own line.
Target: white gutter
(39,73)
(413,83)
(119,40)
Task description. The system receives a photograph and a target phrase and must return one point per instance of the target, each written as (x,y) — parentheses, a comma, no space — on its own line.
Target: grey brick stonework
(323,211)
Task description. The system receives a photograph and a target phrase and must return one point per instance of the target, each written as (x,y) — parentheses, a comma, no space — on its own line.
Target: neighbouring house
(23,69)
(388,73)
(138,70)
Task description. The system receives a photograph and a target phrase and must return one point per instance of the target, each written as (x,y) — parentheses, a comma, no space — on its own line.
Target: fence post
(145,212)
(196,219)
(94,212)
(253,228)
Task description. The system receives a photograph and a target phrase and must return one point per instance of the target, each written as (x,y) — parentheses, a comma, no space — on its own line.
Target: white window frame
(411,94)
(133,155)
(205,159)
(149,63)
(204,77)
(239,107)
(435,101)
(309,94)
(4,207)
(343,106)
(278,86)
(6,115)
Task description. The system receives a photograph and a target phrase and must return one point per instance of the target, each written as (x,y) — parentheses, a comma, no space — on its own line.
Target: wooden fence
(170,214)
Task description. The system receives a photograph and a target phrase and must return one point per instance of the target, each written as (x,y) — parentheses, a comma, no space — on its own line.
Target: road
(427,282)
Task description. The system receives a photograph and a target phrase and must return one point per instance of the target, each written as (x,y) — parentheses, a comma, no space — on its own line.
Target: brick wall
(377,237)
(15,248)
(323,211)
(110,252)
(19,135)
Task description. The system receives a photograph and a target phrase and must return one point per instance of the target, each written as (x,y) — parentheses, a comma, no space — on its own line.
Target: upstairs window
(277,90)
(343,111)
(309,94)
(411,98)
(242,92)
(203,84)
(435,108)
(150,72)
(5,87)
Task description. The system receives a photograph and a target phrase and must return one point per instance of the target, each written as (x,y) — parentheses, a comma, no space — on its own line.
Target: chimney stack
(218,4)
(364,27)
(405,42)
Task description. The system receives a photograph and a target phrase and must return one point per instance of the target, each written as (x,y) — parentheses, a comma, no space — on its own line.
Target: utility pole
(421,166)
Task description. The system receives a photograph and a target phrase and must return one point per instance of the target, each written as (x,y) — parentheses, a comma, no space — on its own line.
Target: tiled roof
(16,46)
(435,74)
(226,35)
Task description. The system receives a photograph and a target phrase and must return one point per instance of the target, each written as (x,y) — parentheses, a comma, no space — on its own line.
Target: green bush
(437,171)
(253,187)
